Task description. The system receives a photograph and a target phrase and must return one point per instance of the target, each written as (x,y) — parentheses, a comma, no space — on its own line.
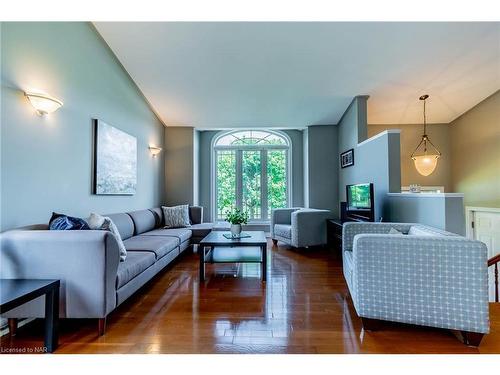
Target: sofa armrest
(196,214)
(351,229)
(435,281)
(281,216)
(86,262)
(309,227)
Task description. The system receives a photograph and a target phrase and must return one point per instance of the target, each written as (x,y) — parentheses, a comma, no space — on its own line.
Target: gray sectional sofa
(93,280)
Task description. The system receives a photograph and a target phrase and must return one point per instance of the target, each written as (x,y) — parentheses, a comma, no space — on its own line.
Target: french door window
(251,169)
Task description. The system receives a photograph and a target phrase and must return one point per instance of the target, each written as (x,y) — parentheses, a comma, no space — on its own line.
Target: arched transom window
(251,172)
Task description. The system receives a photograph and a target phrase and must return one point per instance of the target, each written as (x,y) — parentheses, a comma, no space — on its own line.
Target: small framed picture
(347,158)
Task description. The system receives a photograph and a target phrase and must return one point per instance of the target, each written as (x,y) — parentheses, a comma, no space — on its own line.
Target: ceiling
(290,75)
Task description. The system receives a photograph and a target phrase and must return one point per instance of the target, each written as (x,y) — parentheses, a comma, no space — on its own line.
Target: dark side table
(16,292)
(334,232)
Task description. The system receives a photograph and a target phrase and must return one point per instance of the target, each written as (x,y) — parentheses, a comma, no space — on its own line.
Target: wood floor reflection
(304,308)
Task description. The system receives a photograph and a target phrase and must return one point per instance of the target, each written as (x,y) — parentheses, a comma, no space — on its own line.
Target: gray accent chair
(425,276)
(93,280)
(299,227)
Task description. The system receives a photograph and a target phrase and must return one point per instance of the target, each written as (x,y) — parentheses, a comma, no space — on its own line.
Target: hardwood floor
(304,308)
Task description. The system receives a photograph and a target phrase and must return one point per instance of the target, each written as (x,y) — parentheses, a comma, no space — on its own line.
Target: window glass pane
(251,137)
(226,140)
(251,184)
(276,180)
(226,182)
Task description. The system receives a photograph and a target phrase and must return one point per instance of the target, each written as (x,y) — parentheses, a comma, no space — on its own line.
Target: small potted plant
(236,218)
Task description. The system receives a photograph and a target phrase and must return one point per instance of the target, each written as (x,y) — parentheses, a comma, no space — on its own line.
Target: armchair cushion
(283,230)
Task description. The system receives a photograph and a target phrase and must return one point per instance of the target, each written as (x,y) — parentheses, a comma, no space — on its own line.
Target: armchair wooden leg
(371,324)
(102,326)
(12,326)
(472,338)
(275,242)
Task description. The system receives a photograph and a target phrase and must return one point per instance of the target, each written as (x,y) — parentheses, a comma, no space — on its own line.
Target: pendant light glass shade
(425,163)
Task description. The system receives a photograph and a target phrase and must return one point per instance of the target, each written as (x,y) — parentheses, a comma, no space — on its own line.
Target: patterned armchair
(299,227)
(424,276)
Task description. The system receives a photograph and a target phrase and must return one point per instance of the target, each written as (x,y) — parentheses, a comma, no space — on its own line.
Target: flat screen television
(360,205)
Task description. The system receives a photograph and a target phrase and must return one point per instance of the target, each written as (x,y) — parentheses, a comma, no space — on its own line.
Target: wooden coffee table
(215,248)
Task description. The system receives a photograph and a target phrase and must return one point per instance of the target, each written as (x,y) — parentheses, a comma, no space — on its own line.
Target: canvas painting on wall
(115,161)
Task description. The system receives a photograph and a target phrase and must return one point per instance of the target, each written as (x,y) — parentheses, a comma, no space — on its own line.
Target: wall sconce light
(43,103)
(154,150)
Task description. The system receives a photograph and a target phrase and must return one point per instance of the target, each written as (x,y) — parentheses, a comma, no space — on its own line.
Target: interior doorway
(483,224)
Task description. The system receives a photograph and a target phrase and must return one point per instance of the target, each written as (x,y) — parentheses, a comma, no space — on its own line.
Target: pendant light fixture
(425,162)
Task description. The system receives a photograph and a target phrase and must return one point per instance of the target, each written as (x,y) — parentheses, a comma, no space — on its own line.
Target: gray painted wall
(297,167)
(46,162)
(205,160)
(442,212)
(376,160)
(180,165)
(410,136)
(322,167)
(305,164)
(353,124)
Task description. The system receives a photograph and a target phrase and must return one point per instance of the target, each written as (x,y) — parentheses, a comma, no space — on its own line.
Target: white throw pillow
(177,216)
(98,222)
(95,221)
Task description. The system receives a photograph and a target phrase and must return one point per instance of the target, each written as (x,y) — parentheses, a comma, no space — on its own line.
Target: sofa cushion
(144,220)
(161,246)
(124,224)
(136,263)
(283,230)
(201,230)
(195,214)
(221,226)
(181,234)
(158,214)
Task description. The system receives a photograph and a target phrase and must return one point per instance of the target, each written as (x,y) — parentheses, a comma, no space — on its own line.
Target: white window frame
(239,152)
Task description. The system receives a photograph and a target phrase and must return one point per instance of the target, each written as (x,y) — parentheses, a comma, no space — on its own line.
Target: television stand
(334,234)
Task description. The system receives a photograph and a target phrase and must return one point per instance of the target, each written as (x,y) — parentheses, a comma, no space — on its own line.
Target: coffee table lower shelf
(237,254)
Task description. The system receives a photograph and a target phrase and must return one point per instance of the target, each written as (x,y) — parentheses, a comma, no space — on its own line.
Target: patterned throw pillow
(177,216)
(64,222)
(98,222)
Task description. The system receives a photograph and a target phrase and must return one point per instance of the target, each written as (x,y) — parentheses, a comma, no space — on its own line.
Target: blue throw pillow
(64,222)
